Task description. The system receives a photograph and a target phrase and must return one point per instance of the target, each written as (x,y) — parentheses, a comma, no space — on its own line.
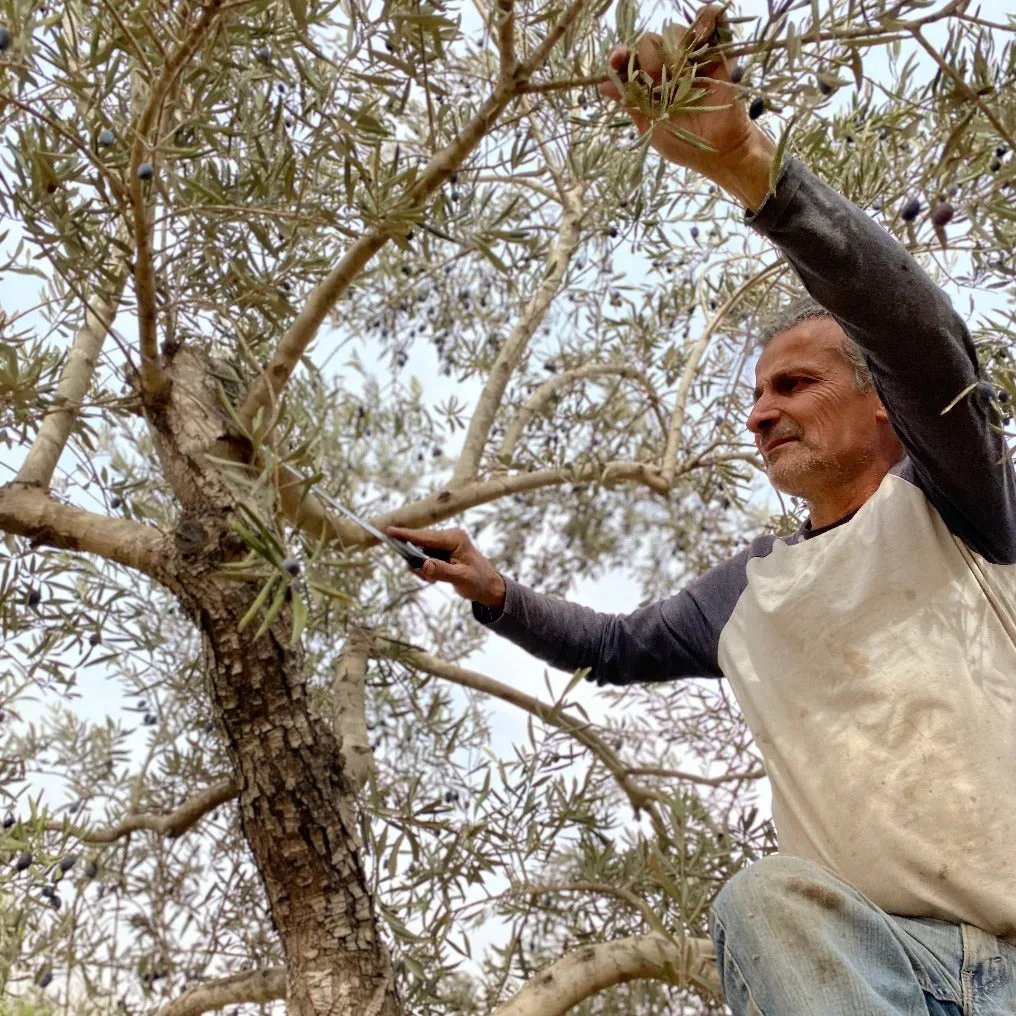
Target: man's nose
(762,416)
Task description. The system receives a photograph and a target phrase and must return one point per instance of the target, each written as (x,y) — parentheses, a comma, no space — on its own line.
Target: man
(873,652)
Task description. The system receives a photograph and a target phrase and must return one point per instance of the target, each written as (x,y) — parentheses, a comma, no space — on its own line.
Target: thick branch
(267,985)
(75,380)
(543,395)
(641,797)
(878,36)
(312,517)
(511,353)
(350,709)
(669,465)
(152,379)
(505,10)
(28,511)
(592,968)
(176,823)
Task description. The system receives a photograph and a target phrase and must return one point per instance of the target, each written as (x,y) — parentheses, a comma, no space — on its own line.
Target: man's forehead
(811,344)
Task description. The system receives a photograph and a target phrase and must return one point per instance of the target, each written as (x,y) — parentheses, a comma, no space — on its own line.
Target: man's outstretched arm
(676,637)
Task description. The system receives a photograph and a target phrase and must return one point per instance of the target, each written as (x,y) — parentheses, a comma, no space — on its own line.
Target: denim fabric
(793,939)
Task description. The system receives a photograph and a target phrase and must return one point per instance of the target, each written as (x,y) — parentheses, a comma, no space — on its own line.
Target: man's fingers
(438,571)
(710,29)
(618,57)
(442,539)
(649,55)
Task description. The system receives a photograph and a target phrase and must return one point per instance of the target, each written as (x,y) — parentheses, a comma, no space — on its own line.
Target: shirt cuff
(491,615)
(787,183)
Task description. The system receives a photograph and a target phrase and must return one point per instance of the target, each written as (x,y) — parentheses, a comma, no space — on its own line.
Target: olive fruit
(942,213)
(757,107)
(145,171)
(910,210)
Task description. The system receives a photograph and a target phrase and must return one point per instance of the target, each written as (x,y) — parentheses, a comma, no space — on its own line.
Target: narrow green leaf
(259,601)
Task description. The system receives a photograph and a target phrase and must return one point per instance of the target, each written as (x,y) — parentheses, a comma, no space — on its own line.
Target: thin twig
(641,798)
(707,781)
(545,392)
(668,467)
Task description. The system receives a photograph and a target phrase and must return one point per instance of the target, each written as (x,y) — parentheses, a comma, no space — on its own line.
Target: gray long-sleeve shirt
(874,659)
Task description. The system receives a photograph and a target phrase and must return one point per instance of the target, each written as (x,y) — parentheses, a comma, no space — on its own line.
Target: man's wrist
(746,175)
(494,598)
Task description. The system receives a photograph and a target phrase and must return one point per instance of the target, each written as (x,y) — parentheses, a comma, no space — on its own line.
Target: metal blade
(367,527)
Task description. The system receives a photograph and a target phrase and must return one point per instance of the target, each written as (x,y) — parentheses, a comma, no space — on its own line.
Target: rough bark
(296,801)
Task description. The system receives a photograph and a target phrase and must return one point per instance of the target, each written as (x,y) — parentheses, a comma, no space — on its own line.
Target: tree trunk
(297,807)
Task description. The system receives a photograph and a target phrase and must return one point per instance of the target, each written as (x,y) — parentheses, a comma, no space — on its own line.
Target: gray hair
(804,308)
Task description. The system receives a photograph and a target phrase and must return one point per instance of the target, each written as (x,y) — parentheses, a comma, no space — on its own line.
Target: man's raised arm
(918,349)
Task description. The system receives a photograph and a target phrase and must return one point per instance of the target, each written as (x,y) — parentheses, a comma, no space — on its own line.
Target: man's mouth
(776,444)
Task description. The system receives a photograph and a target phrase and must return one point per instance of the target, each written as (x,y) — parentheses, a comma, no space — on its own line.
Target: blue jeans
(792,939)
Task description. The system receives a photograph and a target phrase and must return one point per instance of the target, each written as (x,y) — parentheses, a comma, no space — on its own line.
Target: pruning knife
(413,555)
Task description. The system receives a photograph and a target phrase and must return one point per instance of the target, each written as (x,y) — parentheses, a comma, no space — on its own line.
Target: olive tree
(262,254)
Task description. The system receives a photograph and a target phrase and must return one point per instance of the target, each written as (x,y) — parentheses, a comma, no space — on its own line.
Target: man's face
(804,391)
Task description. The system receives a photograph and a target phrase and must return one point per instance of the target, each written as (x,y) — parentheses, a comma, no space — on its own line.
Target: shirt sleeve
(676,637)
(917,347)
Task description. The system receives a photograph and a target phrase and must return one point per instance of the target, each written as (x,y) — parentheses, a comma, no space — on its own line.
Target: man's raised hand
(739,154)
(469,572)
